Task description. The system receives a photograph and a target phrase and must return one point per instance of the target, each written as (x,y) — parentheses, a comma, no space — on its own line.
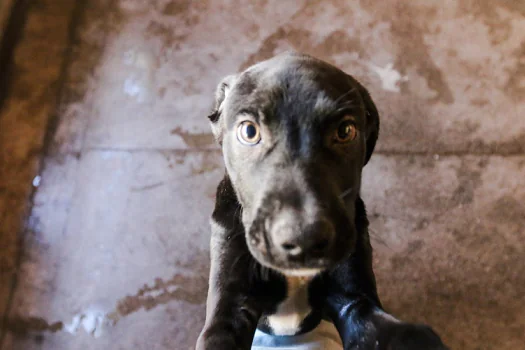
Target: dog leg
(352,303)
(364,325)
(231,314)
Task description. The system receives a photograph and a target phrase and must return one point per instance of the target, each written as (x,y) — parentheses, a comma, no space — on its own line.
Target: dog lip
(304,272)
(296,270)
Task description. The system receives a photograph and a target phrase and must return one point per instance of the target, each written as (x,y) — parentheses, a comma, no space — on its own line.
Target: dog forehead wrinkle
(260,104)
(246,83)
(294,89)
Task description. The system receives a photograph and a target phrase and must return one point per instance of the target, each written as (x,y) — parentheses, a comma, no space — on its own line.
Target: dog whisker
(375,237)
(353,89)
(265,273)
(347,103)
(346,192)
(238,259)
(255,268)
(236,219)
(267,246)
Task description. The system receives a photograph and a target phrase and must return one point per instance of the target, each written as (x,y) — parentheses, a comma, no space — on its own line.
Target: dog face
(295,134)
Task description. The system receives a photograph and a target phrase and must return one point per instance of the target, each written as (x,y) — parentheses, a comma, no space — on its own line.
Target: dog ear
(217,123)
(372,122)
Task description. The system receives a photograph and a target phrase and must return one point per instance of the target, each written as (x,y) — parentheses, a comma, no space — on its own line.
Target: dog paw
(412,337)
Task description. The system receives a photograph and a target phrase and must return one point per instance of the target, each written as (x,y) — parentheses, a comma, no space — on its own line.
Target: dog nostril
(291,249)
(288,246)
(319,237)
(320,246)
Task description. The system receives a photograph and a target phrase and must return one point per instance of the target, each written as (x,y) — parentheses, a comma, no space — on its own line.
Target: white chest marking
(293,310)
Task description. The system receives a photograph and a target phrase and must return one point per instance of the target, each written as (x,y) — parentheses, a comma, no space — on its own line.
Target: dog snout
(302,242)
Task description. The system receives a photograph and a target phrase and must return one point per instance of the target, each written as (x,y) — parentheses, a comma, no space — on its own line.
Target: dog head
(295,134)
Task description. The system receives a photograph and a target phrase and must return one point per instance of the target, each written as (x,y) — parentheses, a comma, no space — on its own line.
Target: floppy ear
(217,123)
(372,122)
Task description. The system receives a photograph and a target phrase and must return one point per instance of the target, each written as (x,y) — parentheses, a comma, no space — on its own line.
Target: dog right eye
(248,133)
(345,132)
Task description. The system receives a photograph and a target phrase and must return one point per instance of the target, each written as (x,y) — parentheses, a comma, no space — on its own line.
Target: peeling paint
(22,325)
(189,289)
(140,81)
(92,321)
(199,140)
(95,321)
(204,168)
(36,181)
(390,78)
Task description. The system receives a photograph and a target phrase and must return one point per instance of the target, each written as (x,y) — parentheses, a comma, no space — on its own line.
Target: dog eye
(248,133)
(345,132)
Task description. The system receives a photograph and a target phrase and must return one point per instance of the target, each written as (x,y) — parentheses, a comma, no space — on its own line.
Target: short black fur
(243,292)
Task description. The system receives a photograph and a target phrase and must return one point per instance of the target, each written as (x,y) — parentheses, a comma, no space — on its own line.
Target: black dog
(290,242)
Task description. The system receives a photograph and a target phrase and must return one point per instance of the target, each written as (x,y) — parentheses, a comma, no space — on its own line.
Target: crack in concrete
(147,187)
(385,152)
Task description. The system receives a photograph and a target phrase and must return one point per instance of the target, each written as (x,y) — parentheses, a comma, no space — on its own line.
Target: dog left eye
(345,132)
(248,133)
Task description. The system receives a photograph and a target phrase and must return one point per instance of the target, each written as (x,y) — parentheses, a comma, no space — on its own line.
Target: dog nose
(313,241)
